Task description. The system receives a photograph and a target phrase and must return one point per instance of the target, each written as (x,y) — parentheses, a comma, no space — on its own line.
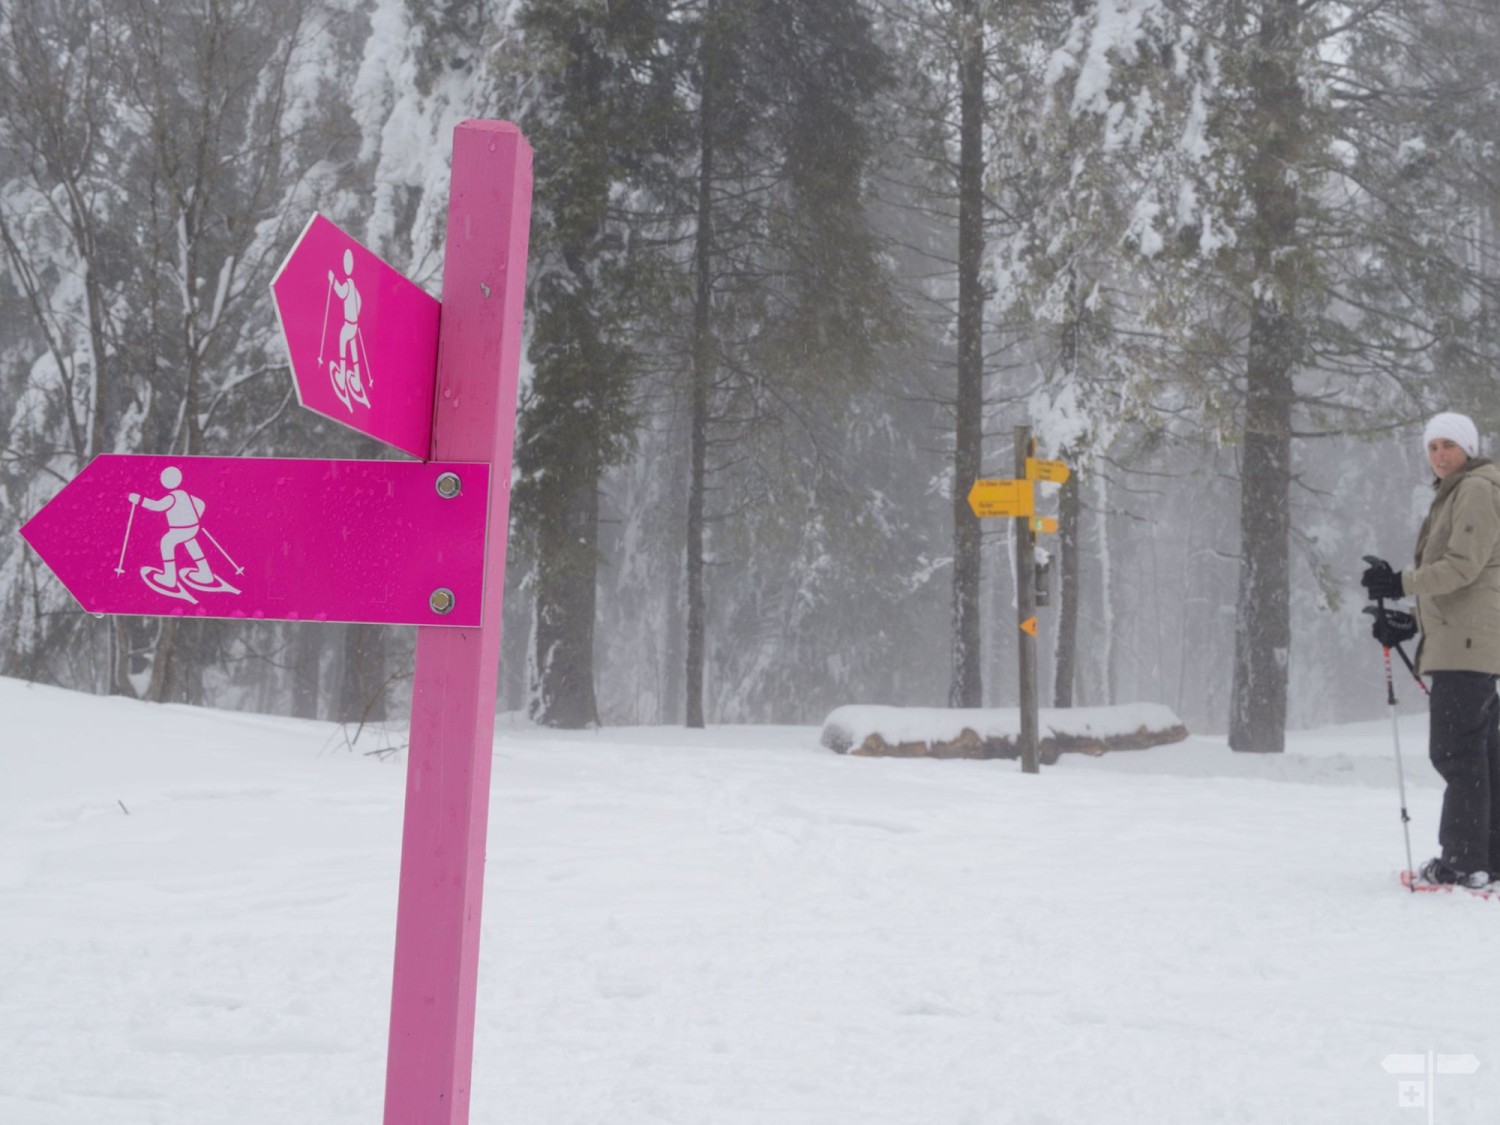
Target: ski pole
(1390,698)
(129,523)
(1412,668)
(1390,692)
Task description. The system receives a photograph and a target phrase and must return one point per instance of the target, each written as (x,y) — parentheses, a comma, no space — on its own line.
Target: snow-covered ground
(735,927)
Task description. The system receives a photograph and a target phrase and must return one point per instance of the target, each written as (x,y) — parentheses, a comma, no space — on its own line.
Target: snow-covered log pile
(930,732)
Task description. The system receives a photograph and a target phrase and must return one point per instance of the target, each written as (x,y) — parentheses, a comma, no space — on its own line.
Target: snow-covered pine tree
(790,297)
(1295,289)
(601,116)
(947,126)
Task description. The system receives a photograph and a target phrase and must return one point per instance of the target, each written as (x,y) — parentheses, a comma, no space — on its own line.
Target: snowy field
(735,927)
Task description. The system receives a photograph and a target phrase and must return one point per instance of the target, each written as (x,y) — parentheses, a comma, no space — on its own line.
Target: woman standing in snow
(1456,582)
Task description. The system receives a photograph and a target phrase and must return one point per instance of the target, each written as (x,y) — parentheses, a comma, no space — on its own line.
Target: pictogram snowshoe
(153,578)
(215,584)
(337,377)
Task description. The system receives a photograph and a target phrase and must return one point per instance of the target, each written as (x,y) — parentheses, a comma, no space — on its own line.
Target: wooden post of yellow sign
(1026,608)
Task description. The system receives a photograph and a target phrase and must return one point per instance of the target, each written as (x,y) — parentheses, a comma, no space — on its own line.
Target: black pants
(1465,749)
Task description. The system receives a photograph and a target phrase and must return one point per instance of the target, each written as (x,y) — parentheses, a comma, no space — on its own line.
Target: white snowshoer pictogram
(184,513)
(344,372)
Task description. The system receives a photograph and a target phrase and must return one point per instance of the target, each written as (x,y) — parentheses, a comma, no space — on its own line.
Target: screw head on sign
(448,485)
(442,600)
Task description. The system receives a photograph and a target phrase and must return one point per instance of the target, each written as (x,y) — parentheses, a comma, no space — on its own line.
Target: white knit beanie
(1457,428)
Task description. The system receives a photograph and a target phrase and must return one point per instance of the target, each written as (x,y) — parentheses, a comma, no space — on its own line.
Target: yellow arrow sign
(1029,626)
(1044,524)
(1002,498)
(1054,471)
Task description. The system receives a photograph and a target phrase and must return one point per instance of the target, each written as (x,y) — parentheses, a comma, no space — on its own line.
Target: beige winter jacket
(1457,577)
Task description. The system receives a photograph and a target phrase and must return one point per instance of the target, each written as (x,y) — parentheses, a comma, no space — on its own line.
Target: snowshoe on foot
(1414,882)
(1440,873)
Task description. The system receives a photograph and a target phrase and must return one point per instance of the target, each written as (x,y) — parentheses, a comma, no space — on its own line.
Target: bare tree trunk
(1070,517)
(1070,506)
(159,688)
(1262,649)
(566,597)
(177,663)
(703,364)
(1028,743)
(119,658)
(674,654)
(362,680)
(966,688)
(1263,619)
(306,668)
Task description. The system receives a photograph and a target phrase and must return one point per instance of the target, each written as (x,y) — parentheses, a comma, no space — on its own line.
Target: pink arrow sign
(271,538)
(362,339)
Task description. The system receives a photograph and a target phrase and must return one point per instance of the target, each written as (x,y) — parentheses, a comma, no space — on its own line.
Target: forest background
(797,270)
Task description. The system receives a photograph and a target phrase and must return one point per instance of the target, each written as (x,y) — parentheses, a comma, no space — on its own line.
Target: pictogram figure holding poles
(361,340)
(184,514)
(344,372)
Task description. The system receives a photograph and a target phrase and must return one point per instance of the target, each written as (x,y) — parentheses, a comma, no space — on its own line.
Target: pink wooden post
(453,696)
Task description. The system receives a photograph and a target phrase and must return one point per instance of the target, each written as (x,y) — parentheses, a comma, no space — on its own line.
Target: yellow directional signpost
(1053,471)
(1011,498)
(1016,499)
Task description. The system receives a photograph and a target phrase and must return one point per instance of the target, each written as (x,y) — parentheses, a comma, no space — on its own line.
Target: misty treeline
(797,271)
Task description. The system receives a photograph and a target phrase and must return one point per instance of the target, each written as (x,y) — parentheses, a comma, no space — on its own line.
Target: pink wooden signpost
(389,541)
(361,338)
(453,696)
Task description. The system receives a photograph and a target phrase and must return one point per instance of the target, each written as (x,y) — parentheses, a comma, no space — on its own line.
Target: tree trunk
(306,668)
(159,688)
(1069,521)
(1262,640)
(1069,517)
(1262,648)
(177,663)
(703,364)
(566,577)
(1028,743)
(670,708)
(119,658)
(362,680)
(966,688)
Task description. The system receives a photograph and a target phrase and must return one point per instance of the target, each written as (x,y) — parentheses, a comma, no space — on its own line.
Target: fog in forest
(797,272)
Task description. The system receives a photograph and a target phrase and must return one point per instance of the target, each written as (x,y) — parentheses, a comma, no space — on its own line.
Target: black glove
(1392,627)
(1380,580)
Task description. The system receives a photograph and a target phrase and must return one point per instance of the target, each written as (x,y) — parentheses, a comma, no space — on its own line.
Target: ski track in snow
(731,927)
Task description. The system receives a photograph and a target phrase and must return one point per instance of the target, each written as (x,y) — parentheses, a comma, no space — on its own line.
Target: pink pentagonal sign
(399,542)
(362,339)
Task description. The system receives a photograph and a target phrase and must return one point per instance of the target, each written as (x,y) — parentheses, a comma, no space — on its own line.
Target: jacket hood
(1482,468)
(1486,469)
